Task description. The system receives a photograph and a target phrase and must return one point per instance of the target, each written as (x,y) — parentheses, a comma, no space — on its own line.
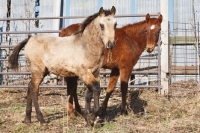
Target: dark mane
(89,19)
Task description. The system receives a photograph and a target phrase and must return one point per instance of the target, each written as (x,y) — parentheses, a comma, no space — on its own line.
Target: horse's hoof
(124,112)
(26,121)
(71,115)
(78,110)
(98,122)
(102,112)
(79,114)
(43,123)
(90,120)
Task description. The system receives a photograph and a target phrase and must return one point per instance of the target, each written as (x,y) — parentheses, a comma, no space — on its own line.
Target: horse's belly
(61,68)
(62,72)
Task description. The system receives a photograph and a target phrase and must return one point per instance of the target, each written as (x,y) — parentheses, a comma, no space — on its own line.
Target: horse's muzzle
(149,50)
(110,45)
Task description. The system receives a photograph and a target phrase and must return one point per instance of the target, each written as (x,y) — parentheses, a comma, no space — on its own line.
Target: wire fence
(184,52)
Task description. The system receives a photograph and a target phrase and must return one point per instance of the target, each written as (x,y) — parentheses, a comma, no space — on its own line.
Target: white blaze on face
(152,27)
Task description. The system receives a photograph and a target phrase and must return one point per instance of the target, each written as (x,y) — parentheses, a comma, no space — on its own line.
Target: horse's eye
(115,25)
(102,26)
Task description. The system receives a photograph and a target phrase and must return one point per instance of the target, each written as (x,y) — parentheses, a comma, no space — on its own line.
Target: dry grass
(149,112)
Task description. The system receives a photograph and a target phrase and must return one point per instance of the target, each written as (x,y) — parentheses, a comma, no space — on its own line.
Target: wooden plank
(184,70)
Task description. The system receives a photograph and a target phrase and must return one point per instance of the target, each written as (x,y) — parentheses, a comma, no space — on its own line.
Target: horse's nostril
(110,44)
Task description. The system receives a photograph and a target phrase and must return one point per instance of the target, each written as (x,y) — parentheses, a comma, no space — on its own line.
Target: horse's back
(42,44)
(70,30)
(47,48)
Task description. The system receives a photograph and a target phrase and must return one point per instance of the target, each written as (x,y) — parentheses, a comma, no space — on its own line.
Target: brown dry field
(149,112)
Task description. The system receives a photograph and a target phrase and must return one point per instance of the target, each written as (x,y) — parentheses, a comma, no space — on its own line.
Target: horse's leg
(36,79)
(28,105)
(71,92)
(93,88)
(112,82)
(88,97)
(125,74)
(77,105)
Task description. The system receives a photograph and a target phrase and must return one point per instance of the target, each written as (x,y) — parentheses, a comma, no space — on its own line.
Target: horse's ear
(147,18)
(113,10)
(160,18)
(101,11)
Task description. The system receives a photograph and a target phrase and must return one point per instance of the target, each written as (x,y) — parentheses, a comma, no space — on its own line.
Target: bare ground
(149,112)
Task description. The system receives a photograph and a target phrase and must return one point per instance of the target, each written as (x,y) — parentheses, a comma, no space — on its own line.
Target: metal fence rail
(12,79)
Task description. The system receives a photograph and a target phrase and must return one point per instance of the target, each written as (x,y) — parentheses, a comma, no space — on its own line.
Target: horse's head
(107,25)
(153,30)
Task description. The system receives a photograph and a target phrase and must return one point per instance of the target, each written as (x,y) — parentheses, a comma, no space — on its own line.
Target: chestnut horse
(77,55)
(131,41)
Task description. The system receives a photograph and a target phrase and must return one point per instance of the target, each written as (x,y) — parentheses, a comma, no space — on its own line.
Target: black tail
(13,58)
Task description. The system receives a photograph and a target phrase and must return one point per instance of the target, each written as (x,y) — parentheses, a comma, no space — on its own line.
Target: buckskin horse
(79,55)
(131,41)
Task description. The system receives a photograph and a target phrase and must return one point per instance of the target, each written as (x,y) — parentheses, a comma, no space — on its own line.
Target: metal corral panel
(3,7)
(147,6)
(122,7)
(80,8)
(183,11)
(184,55)
(183,14)
(144,7)
(22,9)
(184,58)
(89,7)
(46,10)
(197,10)
(49,8)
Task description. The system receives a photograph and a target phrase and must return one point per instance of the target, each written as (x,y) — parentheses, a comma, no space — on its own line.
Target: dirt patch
(148,112)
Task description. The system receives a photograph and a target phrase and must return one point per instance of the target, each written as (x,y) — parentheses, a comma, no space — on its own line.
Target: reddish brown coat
(131,41)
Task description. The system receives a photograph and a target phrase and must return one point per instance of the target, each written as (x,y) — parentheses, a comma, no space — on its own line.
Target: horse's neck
(137,33)
(92,39)
(91,34)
